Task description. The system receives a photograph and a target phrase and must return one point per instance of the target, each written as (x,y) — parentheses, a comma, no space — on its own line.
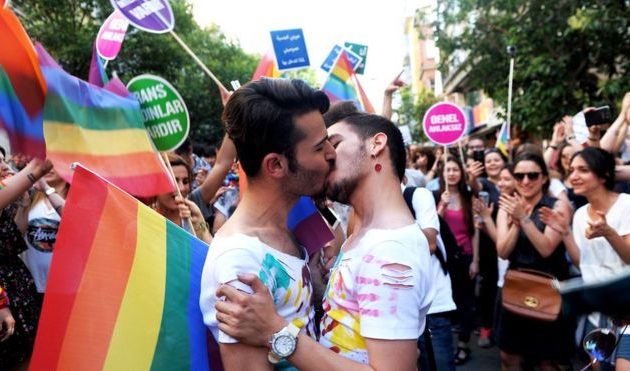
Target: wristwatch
(283,343)
(49,191)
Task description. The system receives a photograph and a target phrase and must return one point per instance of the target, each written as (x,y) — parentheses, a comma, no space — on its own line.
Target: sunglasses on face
(532,175)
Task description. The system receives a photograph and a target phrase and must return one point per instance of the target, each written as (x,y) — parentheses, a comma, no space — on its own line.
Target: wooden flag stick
(196,59)
(179,192)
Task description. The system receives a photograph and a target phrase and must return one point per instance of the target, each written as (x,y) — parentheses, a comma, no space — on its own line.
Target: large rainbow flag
(101,130)
(22,88)
(342,84)
(123,287)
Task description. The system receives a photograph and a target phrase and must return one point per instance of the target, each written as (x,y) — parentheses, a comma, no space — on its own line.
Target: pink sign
(111,35)
(444,123)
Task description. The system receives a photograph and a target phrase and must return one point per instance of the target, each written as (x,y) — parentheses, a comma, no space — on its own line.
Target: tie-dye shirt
(287,277)
(381,289)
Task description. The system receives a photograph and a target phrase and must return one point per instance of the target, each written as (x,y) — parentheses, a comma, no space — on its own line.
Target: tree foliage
(412,109)
(67,29)
(570,54)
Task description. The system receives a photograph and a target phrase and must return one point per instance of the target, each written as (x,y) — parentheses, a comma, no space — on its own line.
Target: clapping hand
(514,206)
(555,219)
(598,227)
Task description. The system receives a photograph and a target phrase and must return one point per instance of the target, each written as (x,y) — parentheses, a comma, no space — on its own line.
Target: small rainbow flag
(503,139)
(308,225)
(123,288)
(101,130)
(22,88)
(266,67)
(342,84)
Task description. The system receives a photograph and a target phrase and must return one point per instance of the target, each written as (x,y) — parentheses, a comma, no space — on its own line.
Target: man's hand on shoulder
(250,318)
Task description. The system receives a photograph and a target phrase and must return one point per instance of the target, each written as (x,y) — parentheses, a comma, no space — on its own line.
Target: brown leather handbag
(531,294)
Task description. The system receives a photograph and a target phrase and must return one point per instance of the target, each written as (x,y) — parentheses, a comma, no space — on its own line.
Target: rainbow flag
(363,99)
(266,67)
(308,225)
(97,75)
(503,139)
(123,288)
(101,130)
(342,84)
(22,88)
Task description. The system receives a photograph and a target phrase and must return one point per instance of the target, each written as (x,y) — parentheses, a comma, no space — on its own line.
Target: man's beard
(343,189)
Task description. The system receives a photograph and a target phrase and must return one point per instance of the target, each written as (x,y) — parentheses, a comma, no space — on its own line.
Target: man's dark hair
(600,162)
(366,125)
(339,111)
(260,119)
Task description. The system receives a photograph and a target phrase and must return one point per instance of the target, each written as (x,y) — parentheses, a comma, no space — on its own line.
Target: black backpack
(452,263)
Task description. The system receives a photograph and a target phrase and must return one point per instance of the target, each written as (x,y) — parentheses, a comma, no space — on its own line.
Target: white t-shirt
(427,217)
(287,277)
(598,259)
(381,288)
(41,234)
(556,187)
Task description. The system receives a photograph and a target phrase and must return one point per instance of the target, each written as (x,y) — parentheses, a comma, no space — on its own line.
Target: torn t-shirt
(381,289)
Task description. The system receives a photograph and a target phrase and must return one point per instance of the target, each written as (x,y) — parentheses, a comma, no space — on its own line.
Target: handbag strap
(536,272)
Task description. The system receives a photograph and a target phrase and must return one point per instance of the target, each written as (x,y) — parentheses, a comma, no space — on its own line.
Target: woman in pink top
(455,207)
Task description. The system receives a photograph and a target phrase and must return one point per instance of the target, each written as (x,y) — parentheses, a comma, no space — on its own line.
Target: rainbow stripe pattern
(102,131)
(97,75)
(123,288)
(266,67)
(503,139)
(342,84)
(22,88)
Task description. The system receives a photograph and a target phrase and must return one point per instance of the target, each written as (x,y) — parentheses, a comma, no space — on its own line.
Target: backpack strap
(408,196)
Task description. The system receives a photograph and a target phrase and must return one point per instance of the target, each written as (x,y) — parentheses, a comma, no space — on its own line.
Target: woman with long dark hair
(456,207)
(599,243)
(528,243)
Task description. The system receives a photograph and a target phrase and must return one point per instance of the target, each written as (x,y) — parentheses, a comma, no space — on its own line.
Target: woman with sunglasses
(455,207)
(528,243)
(599,243)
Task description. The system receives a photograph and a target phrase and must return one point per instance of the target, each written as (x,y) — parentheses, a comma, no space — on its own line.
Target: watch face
(284,345)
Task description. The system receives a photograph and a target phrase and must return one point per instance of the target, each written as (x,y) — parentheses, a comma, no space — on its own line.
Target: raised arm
(387,97)
(214,180)
(16,185)
(612,140)
(507,234)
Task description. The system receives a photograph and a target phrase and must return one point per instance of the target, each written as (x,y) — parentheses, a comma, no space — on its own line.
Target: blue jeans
(442,340)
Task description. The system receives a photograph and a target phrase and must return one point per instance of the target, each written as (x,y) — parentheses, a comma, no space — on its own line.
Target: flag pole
(512,52)
(197,60)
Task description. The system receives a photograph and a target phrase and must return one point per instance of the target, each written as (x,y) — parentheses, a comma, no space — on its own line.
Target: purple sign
(444,123)
(154,16)
(111,35)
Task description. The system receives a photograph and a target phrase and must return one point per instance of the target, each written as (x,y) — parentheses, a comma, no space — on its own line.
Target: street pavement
(481,359)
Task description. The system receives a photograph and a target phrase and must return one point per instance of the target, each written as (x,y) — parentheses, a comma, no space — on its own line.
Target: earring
(378,167)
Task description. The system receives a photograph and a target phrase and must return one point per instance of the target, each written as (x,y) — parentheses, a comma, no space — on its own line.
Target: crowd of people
(420,254)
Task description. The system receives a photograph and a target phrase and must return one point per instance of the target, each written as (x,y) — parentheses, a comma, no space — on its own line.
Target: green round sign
(163,110)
